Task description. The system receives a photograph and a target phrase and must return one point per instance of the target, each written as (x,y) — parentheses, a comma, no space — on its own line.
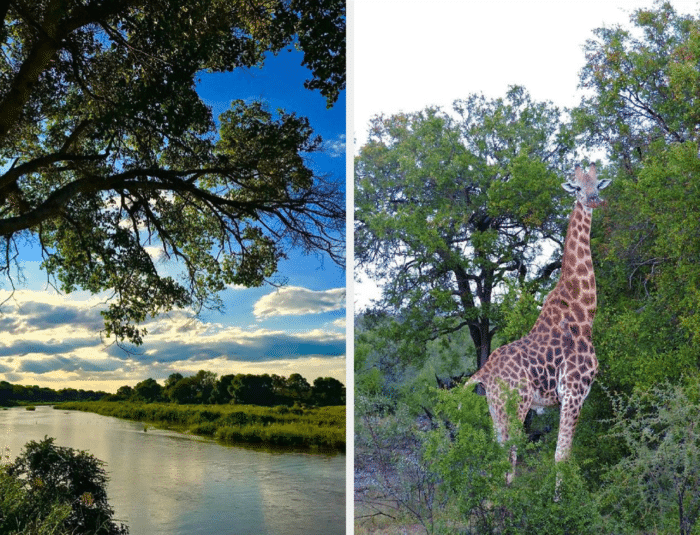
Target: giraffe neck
(577,246)
(577,280)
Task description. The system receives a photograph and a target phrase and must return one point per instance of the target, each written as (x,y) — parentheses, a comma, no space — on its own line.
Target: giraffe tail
(472,379)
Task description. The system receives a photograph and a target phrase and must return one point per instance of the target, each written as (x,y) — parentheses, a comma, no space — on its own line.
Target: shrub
(52,489)
(658,484)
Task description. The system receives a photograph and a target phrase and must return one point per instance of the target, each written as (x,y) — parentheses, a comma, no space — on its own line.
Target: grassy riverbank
(321,427)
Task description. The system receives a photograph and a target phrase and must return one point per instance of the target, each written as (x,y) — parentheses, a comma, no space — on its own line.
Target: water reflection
(163,482)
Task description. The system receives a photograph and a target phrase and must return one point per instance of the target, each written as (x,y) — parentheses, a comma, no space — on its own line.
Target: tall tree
(148,390)
(449,207)
(642,108)
(328,391)
(106,148)
(249,389)
(193,389)
(642,83)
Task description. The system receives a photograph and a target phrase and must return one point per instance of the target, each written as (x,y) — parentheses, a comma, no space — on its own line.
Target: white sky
(412,54)
(408,55)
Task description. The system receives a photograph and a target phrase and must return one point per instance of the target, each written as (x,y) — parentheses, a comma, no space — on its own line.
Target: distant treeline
(17,394)
(201,388)
(240,388)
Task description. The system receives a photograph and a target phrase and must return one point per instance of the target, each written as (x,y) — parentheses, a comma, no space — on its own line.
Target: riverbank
(312,428)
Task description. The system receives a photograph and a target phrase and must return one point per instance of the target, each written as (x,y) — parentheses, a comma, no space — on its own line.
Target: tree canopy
(106,149)
(449,207)
(643,110)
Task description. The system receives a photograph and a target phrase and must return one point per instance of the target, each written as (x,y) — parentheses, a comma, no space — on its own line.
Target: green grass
(313,428)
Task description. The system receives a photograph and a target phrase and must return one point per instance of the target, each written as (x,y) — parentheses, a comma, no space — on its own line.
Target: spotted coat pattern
(555,363)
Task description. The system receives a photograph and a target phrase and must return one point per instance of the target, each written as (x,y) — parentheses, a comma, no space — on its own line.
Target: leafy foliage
(643,112)
(241,388)
(450,208)
(659,428)
(106,149)
(11,394)
(51,487)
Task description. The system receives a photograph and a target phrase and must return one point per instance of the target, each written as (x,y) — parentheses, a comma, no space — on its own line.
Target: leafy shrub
(57,490)
(658,484)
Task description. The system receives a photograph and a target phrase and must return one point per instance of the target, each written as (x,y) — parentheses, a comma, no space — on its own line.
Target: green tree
(148,390)
(449,207)
(58,486)
(19,515)
(328,391)
(184,391)
(250,389)
(297,387)
(658,483)
(125,392)
(193,389)
(172,379)
(220,393)
(644,84)
(106,148)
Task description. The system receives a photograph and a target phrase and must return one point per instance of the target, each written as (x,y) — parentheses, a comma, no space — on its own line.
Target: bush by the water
(280,426)
(53,490)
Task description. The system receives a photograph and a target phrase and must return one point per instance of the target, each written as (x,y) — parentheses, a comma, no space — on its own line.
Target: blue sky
(54,340)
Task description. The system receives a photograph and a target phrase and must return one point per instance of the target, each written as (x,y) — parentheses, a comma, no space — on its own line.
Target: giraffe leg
(499,418)
(500,424)
(570,410)
(523,409)
(568,417)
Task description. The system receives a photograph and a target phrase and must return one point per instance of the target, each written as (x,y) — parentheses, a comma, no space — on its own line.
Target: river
(163,482)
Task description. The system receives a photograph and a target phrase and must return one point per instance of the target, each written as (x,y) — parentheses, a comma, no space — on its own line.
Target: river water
(163,482)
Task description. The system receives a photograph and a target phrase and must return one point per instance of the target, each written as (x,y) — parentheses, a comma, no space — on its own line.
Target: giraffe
(555,363)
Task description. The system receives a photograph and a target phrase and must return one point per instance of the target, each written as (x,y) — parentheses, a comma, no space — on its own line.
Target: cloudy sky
(54,340)
(411,54)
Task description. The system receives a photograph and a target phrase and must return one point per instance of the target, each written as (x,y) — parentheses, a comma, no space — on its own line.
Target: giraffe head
(586,187)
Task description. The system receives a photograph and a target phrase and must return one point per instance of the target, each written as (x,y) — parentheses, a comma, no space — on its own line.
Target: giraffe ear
(604,183)
(571,188)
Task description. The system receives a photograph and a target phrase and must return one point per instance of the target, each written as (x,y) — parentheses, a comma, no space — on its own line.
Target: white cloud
(48,339)
(296,301)
(335,148)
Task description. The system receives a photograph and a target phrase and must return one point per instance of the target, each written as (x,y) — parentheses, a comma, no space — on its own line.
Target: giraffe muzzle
(596,202)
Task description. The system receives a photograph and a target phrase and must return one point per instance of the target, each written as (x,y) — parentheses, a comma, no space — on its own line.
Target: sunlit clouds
(293,300)
(52,341)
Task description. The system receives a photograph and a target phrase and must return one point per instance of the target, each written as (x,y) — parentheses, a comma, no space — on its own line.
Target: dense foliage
(321,427)
(450,207)
(635,458)
(106,148)
(13,394)
(241,389)
(644,113)
(51,489)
